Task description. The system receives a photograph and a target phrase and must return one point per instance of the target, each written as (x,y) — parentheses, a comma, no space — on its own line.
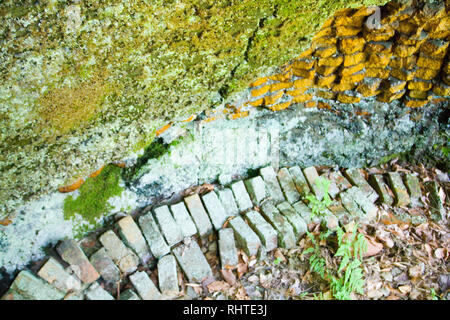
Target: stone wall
(85,83)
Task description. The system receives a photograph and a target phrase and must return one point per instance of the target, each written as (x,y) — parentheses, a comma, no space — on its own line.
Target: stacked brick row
(170,233)
(395,52)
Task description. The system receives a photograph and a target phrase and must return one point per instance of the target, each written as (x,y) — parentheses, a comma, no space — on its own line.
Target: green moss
(156,149)
(92,202)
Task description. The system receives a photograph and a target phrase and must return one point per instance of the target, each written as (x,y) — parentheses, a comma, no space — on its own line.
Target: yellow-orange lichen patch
(238,115)
(258,82)
(280,86)
(72,187)
(304,64)
(273,98)
(256,103)
(190,118)
(302,98)
(261,91)
(308,74)
(163,129)
(120,164)
(381,73)
(296,92)
(351,60)
(5,222)
(301,83)
(280,106)
(97,172)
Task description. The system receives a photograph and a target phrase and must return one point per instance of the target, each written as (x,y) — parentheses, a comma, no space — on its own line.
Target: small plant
(348,277)
(434,296)
(318,207)
(277,261)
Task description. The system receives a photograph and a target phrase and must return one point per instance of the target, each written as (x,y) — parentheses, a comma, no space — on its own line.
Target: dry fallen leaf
(404,289)
(373,247)
(228,276)
(218,286)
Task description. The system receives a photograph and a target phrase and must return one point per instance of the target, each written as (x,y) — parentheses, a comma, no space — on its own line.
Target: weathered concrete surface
(227,248)
(273,187)
(105,266)
(228,202)
(26,286)
(85,73)
(192,261)
(96,292)
(53,272)
(246,238)
(123,257)
(183,219)
(266,233)
(198,214)
(144,286)
(170,229)
(70,251)
(215,209)
(167,275)
(131,234)
(157,243)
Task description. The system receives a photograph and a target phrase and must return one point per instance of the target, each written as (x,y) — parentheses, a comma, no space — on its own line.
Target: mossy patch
(92,202)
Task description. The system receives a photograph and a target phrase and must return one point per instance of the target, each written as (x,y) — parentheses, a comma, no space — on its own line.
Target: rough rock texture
(88,83)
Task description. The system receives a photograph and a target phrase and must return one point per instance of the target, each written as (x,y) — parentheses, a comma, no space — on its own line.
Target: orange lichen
(163,129)
(72,187)
(97,172)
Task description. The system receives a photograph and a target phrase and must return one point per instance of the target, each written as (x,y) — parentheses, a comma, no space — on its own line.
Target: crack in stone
(223,90)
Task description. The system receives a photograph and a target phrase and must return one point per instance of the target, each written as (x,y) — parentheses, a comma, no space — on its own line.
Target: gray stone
(348,201)
(53,272)
(105,266)
(437,207)
(399,189)
(381,188)
(155,240)
(144,286)
(338,210)
(305,212)
(246,238)
(71,253)
(356,178)
(273,187)
(412,184)
(132,236)
(192,261)
(341,182)
(215,209)
(96,292)
(26,286)
(297,222)
(299,180)
(228,202)
(227,248)
(357,203)
(312,176)
(241,196)
(267,234)
(286,236)
(262,254)
(170,229)
(333,189)
(183,219)
(198,214)
(123,257)
(256,189)
(287,185)
(129,295)
(168,275)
